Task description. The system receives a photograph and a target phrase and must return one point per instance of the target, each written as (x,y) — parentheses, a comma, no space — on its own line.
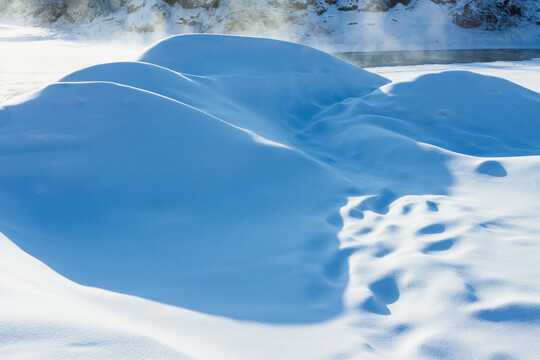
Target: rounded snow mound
(278,86)
(467,113)
(458,111)
(138,179)
(211,173)
(227,55)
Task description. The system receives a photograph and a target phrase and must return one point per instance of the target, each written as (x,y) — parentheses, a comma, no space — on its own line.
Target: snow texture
(286,204)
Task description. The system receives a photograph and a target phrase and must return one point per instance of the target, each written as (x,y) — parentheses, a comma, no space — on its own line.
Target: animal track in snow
(511,312)
(432,229)
(432,206)
(385,292)
(441,245)
(491,168)
(398,275)
(378,204)
(382,251)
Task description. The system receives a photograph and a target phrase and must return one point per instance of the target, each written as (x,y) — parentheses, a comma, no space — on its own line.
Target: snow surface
(284,203)
(524,73)
(32,57)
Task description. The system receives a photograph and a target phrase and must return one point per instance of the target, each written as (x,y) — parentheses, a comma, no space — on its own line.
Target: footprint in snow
(385,291)
(441,245)
(491,168)
(382,251)
(432,229)
(512,312)
(432,206)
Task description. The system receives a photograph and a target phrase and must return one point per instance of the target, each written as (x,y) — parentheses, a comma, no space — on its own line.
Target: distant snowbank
(520,72)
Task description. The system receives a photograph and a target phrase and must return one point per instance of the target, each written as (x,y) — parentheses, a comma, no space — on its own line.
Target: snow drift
(266,181)
(150,193)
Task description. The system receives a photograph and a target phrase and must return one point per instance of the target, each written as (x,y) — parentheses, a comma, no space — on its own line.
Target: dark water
(421,57)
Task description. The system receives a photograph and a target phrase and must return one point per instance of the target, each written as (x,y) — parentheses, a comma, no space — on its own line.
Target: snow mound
(164,195)
(466,112)
(144,195)
(252,179)
(276,85)
(244,56)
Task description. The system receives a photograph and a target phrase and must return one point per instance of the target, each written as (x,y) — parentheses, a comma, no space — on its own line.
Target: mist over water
(423,57)
(32,57)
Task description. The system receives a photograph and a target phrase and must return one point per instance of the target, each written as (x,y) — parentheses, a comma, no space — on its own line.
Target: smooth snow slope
(253,179)
(130,183)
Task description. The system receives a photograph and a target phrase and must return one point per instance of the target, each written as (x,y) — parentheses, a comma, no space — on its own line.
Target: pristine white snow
(32,57)
(287,204)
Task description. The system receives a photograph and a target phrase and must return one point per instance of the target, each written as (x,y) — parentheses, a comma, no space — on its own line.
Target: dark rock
(467,19)
(299,5)
(193,4)
(347,5)
(443,2)
(384,5)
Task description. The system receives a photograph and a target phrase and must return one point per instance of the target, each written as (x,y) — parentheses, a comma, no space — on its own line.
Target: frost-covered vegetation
(495,14)
(242,15)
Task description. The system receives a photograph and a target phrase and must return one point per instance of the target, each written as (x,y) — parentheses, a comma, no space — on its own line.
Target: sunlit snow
(222,197)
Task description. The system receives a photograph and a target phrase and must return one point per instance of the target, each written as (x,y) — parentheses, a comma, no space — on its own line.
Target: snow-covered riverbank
(334,26)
